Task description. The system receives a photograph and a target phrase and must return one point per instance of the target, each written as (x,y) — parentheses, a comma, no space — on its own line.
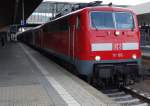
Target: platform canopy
(11,11)
(143,13)
(54,7)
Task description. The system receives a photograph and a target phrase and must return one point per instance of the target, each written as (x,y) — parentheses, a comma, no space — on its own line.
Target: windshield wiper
(94,25)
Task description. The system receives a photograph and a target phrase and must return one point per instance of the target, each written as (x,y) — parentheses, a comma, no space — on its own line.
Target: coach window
(54,26)
(36,33)
(78,22)
(45,28)
(64,25)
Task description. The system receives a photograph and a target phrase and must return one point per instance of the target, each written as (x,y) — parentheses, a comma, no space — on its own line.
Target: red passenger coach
(102,42)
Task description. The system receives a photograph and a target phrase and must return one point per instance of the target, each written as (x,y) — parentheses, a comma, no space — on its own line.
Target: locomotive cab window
(111,20)
(124,20)
(63,25)
(78,22)
(102,20)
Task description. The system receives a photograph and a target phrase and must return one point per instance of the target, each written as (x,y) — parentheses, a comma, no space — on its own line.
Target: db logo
(117,46)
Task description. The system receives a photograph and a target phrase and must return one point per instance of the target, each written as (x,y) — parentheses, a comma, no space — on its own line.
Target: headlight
(134,56)
(97,58)
(117,33)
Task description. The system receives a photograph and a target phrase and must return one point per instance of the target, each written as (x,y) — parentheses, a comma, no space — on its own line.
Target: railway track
(128,97)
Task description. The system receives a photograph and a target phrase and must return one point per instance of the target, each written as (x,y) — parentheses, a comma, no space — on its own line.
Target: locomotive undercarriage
(115,75)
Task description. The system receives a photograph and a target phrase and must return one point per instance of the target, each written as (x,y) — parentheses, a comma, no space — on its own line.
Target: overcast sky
(120,2)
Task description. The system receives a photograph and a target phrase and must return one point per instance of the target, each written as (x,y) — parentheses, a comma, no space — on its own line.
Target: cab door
(72,32)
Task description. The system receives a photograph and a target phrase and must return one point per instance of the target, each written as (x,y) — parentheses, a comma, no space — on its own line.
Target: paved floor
(19,84)
(29,79)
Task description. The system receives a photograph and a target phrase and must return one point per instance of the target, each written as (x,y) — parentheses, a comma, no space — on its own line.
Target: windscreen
(102,20)
(124,20)
(112,20)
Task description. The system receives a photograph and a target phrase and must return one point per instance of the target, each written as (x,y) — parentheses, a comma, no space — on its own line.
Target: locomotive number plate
(117,55)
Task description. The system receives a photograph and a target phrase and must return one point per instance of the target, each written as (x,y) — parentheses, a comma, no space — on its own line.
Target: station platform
(29,79)
(145,51)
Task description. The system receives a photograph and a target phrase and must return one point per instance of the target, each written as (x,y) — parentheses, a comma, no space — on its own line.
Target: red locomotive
(102,42)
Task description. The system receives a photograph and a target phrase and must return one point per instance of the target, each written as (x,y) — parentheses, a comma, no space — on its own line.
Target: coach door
(72,29)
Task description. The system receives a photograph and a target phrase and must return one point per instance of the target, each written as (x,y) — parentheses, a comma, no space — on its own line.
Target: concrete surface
(29,79)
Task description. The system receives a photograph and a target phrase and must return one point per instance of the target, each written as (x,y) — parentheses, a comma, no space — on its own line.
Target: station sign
(23,23)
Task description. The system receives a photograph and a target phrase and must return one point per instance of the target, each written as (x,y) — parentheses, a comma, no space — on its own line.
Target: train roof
(107,8)
(93,8)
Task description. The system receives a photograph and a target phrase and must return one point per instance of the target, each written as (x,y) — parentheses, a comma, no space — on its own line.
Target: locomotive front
(114,45)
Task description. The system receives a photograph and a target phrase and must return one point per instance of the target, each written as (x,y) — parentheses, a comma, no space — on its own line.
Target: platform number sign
(23,23)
